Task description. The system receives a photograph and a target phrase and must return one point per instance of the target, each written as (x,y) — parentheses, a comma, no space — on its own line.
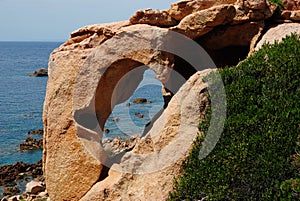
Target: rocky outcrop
(146,171)
(291,10)
(36,132)
(39,73)
(31,144)
(18,171)
(101,66)
(277,33)
(153,17)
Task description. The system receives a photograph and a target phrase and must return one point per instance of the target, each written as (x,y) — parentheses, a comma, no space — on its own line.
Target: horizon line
(30,41)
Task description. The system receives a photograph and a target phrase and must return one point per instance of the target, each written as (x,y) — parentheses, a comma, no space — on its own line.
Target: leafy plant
(252,160)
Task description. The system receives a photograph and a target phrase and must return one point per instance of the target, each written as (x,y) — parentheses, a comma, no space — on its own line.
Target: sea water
(22,97)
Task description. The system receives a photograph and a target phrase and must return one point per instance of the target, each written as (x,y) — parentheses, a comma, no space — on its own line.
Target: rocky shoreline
(12,175)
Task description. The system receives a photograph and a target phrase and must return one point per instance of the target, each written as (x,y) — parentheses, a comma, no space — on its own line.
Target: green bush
(252,160)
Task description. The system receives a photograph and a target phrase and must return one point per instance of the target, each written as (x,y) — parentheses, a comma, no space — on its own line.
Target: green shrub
(252,160)
(277,2)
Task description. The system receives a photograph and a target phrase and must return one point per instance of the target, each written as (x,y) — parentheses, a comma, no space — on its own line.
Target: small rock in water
(106,130)
(31,144)
(139,115)
(115,119)
(39,73)
(140,100)
(127,104)
(36,132)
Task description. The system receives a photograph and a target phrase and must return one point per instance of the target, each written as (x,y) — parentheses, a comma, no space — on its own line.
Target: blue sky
(53,20)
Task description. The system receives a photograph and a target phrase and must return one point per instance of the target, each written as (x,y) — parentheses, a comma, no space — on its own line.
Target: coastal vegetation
(257,156)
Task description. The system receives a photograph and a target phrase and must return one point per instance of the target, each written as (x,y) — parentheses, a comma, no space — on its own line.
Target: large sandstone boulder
(201,22)
(147,171)
(69,169)
(153,17)
(101,65)
(277,33)
(184,8)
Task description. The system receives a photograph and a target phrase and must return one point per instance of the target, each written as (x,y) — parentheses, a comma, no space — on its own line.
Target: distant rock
(140,100)
(139,115)
(36,132)
(31,144)
(39,73)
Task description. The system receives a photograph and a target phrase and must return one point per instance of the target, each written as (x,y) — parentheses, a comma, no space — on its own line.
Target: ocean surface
(22,97)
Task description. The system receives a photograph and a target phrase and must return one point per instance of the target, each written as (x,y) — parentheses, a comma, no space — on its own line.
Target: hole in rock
(130,117)
(128,100)
(228,56)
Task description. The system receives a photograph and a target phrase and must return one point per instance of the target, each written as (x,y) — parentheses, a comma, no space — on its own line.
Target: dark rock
(139,115)
(16,172)
(127,104)
(39,73)
(116,119)
(36,132)
(106,130)
(140,100)
(31,144)
(11,190)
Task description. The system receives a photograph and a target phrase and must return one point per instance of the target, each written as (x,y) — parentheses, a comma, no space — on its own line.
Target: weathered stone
(101,65)
(39,73)
(71,159)
(31,144)
(291,4)
(69,170)
(35,187)
(255,4)
(291,15)
(201,22)
(277,33)
(137,176)
(11,173)
(153,17)
(249,11)
(231,35)
(92,36)
(295,15)
(181,9)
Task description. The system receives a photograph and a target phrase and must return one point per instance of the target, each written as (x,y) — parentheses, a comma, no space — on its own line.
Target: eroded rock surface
(87,75)
(146,171)
(277,33)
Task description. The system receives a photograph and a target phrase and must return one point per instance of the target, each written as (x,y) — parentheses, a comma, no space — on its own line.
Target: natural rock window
(130,117)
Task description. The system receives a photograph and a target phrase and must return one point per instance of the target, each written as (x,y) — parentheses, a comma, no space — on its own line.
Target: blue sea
(22,97)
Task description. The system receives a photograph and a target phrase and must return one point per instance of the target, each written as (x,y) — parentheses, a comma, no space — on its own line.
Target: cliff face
(101,65)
